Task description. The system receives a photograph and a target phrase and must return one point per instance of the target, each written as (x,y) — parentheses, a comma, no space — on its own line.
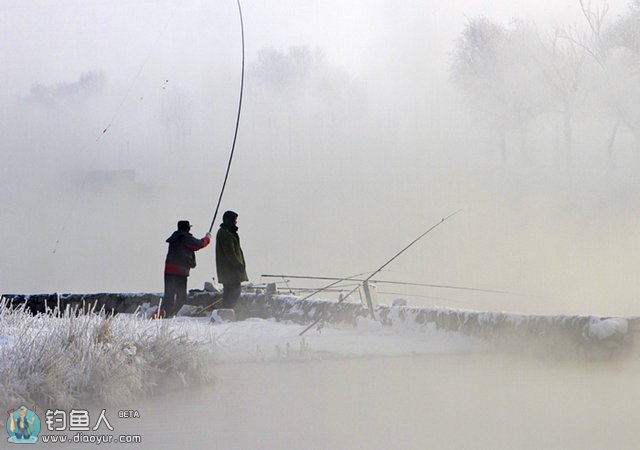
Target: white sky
(398,50)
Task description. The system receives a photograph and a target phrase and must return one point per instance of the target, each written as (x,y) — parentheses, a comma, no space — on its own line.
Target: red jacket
(181,257)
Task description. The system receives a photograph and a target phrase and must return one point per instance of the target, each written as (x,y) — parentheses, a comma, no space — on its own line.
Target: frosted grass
(63,359)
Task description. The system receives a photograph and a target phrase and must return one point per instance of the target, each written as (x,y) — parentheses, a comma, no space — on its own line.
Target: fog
(448,402)
(354,139)
(363,124)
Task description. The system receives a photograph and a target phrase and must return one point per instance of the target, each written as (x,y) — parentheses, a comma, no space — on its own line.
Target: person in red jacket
(181,258)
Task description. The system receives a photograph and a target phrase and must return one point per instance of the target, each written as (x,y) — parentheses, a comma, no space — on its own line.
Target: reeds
(64,359)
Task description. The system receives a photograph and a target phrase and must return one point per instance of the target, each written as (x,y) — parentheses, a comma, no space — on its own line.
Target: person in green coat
(230,262)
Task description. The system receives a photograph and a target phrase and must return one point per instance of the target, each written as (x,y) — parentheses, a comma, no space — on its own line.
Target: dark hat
(184,225)
(229,217)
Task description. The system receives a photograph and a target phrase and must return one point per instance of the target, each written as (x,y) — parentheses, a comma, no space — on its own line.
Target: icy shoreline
(559,335)
(65,358)
(589,337)
(71,359)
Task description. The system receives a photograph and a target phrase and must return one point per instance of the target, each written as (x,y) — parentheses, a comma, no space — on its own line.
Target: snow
(88,355)
(605,328)
(74,357)
(6,341)
(64,359)
(264,340)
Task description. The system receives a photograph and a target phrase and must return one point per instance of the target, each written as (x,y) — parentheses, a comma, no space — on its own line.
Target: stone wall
(588,336)
(546,335)
(111,302)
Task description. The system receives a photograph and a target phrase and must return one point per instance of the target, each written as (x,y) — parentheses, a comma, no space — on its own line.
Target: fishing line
(235,135)
(380,268)
(135,79)
(79,192)
(431,285)
(341,288)
(430,297)
(317,291)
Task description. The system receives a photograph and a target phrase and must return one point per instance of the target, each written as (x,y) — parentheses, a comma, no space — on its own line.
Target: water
(459,401)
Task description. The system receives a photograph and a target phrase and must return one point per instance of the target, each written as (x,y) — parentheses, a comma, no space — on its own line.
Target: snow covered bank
(66,359)
(268,340)
(62,360)
(557,335)
(69,359)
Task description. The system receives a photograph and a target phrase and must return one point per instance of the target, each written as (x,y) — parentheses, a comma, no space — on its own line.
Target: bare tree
(306,88)
(622,43)
(563,69)
(475,69)
(495,68)
(511,74)
(615,50)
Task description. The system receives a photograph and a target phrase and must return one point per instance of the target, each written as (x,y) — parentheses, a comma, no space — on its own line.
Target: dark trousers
(230,295)
(175,293)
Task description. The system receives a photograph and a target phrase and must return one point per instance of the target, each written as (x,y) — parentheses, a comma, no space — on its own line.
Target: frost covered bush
(63,359)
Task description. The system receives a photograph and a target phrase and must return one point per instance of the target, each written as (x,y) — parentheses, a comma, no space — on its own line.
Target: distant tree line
(511,75)
(299,90)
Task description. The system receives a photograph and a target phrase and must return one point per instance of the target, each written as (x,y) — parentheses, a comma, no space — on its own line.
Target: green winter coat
(230,262)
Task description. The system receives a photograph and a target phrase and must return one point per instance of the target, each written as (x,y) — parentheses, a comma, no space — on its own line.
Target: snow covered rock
(188,310)
(210,287)
(147,310)
(607,328)
(223,316)
(368,324)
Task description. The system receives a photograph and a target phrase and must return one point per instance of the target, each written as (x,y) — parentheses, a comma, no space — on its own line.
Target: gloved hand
(208,234)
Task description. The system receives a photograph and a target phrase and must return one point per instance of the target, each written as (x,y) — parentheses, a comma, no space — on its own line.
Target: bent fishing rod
(233,145)
(235,134)
(373,274)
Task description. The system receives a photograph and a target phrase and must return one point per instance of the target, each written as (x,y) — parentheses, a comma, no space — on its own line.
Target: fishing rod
(317,291)
(327,287)
(235,135)
(286,282)
(340,288)
(402,283)
(233,145)
(383,266)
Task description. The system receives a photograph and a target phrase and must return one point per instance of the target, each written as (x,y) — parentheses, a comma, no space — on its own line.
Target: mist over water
(444,401)
(355,137)
(353,140)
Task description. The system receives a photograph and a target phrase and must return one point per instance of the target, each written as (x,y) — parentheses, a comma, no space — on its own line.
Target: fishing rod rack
(366,289)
